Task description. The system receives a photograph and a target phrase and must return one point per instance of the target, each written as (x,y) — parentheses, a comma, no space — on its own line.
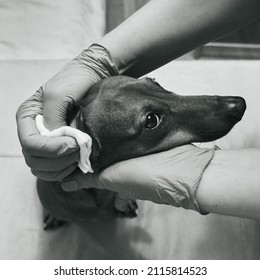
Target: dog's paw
(50,222)
(128,209)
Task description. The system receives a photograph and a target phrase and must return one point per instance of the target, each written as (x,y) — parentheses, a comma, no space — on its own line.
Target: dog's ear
(83,125)
(72,113)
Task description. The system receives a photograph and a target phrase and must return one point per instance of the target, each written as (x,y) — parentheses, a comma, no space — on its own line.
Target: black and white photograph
(130,130)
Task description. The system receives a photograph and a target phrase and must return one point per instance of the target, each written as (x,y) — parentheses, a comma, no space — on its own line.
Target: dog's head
(128,118)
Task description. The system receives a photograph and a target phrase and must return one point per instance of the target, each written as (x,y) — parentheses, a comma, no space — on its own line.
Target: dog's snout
(236,106)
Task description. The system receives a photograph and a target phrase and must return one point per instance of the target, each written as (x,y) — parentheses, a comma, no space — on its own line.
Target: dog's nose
(236,106)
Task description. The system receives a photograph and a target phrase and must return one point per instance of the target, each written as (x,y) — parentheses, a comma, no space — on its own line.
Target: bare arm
(231,184)
(166,29)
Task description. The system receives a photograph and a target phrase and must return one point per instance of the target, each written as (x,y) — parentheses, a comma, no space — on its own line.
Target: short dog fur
(128,118)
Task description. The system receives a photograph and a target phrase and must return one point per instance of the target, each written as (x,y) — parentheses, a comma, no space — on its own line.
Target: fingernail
(69,185)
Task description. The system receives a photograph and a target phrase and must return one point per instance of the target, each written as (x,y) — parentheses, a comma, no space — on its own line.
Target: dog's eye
(152,121)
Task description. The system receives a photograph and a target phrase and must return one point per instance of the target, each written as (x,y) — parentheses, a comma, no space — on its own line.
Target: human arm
(230,184)
(170,177)
(163,30)
(225,182)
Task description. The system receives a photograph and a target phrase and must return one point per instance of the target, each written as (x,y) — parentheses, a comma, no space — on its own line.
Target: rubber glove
(171,177)
(49,158)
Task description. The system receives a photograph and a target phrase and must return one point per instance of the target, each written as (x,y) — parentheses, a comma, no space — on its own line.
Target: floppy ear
(72,114)
(84,122)
(83,139)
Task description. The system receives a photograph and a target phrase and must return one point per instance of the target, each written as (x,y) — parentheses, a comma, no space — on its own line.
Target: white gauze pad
(83,139)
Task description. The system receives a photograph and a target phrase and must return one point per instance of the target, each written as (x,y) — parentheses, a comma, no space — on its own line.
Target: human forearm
(231,184)
(164,30)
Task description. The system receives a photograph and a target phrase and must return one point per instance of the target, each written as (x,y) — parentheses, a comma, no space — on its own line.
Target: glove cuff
(98,59)
(106,59)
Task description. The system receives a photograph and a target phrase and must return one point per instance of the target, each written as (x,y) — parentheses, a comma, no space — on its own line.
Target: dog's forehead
(143,85)
(125,97)
(127,89)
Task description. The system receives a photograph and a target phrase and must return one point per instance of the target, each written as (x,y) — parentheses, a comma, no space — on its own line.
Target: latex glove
(170,177)
(55,158)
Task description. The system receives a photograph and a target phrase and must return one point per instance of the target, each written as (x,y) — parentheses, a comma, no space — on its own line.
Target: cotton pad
(83,139)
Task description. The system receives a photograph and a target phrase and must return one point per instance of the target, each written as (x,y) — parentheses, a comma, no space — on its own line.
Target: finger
(78,180)
(29,137)
(120,204)
(133,204)
(63,92)
(43,146)
(109,179)
(31,107)
(54,164)
(55,175)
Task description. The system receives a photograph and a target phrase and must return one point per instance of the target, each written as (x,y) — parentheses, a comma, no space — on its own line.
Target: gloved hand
(171,177)
(55,158)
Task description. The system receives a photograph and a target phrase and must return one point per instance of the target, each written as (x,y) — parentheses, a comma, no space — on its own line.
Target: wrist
(123,58)
(104,57)
(100,59)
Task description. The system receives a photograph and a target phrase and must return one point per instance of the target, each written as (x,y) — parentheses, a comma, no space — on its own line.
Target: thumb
(109,179)
(55,112)
(79,180)
(117,177)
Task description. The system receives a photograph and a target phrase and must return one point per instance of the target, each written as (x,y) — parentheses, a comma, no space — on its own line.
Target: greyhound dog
(128,118)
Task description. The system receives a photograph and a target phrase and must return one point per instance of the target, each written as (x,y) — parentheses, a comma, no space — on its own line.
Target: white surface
(49,29)
(83,139)
(18,81)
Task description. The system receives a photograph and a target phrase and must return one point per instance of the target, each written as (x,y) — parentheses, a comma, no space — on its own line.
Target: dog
(128,118)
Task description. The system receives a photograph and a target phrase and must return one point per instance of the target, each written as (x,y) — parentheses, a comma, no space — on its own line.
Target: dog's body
(129,118)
